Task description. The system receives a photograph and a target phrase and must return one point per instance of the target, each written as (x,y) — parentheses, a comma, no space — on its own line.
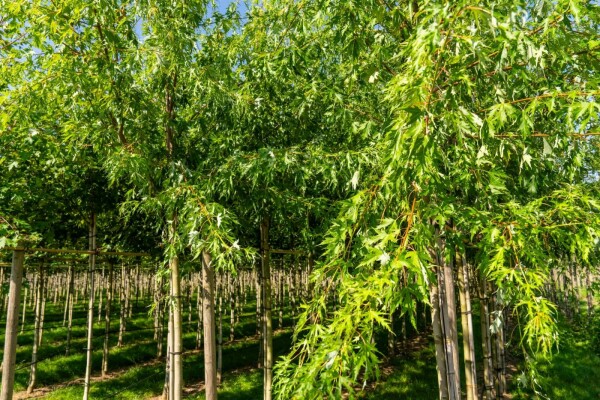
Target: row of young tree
(410,146)
(120,288)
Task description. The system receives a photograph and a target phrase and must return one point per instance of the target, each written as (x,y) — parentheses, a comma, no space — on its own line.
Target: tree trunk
(220,337)
(486,343)
(500,364)
(68,295)
(268,327)
(109,297)
(177,366)
(208,316)
(260,316)
(438,338)
(36,333)
(12,322)
(199,310)
(70,312)
(43,314)
(467,328)
(101,285)
(90,317)
(168,388)
(448,317)
(25,308)
(122,308)
(232,291)
(589,296)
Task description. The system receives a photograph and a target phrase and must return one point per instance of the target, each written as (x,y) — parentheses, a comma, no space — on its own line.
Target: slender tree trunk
(25,307)
(177,366)
(101,294)
(43,314)
(70,312)
(500,365)
(268,327)
(69,272)
(36,332)
(168,388)
(109,297)
(220,338)
(488,378)
(438,338)
(208,311)
(199,310)
(90,317)
(260,316)
(391,338)
(281,296)
(467,329)
(232,292)
(12,322)
(122,308)
(448,315)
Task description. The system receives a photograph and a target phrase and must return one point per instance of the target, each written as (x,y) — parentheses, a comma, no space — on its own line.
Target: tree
(497,170)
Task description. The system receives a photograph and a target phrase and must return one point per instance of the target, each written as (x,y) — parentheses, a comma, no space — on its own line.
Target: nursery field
(300,199)
(136,345)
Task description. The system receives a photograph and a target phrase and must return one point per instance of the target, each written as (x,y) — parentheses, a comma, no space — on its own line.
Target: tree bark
(220,336)
(90,316)
(438,338)
(177,366)
(449,325)
(70,311)
(268,327)
(486,343)
(109,297)
(467,329)
(12,322)
(36,333)
(122,307)
(208,316)
(500,365)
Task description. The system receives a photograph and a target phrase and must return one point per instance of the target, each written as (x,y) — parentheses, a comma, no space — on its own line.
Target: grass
(414,377)
(573,372)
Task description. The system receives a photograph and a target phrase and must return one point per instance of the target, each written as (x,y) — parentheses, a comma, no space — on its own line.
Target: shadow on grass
(414,377)
(572,373)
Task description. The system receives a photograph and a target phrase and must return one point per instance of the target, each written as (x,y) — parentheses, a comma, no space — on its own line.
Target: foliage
(500,170)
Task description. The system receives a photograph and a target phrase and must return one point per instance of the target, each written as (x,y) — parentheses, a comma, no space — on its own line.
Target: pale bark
(449,325)
(267,327)
(109,297)
(467,329)
(36,333)
(70,301)
(122,307)
(220,337)
(500,364)
(438,338)
(208,311)
(90,316)
(488,378)
(177,366)
(12,322)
